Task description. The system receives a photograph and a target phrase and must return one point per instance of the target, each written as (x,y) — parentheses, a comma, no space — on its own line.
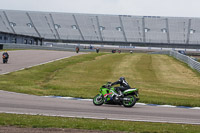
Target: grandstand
(30,27)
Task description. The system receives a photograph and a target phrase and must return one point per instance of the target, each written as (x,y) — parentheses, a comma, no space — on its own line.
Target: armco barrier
(191,62)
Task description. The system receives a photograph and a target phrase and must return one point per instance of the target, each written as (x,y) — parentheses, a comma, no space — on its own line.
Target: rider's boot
(120,94)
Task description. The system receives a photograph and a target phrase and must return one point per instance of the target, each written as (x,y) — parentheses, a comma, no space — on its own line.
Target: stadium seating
(4,25)
(157,30)
(133,28)
(102,28)
(23,24)
(195,31)
(178,29)
(110,31)
(43,24)
(88,27)
(66,23)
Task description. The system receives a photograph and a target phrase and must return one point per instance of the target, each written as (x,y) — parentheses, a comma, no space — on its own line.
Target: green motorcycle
(108,95)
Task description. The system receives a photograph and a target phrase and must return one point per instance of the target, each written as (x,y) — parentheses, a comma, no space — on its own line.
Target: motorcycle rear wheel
(98,100)
(129,103)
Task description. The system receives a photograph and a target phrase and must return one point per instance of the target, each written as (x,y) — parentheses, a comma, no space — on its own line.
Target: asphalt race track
(11,102)
(21,59)
(28,104)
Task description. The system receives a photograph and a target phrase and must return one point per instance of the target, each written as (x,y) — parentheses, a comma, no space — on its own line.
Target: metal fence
(184,58)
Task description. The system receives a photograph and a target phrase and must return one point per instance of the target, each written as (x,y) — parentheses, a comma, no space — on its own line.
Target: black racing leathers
(5,55)
(123,85)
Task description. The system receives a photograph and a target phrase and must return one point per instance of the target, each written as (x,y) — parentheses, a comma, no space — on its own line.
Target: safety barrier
(184,58)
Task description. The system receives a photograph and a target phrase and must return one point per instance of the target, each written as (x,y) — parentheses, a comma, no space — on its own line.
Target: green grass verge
(161,79)
(91,124)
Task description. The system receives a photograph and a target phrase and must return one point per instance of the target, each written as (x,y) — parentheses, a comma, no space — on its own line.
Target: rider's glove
(109,85)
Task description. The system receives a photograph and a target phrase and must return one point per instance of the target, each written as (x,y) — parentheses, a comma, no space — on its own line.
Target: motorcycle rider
(5,55)
(123,86)
(77,49)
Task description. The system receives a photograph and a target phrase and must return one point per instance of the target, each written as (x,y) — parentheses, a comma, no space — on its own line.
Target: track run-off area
(17,103)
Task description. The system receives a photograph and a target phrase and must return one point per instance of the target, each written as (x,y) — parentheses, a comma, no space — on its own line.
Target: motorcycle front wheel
(4,61)
(98,100)
(129,101)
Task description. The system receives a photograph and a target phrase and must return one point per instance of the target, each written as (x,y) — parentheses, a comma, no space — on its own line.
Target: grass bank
(91,124)
(161,79)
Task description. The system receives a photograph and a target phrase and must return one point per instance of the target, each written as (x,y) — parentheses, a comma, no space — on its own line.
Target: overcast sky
(178,8)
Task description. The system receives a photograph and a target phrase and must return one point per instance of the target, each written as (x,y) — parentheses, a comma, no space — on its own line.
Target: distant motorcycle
(5,57)
(108,95)
(77,49)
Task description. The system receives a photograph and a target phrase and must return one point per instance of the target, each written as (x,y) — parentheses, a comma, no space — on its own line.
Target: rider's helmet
(121,78)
